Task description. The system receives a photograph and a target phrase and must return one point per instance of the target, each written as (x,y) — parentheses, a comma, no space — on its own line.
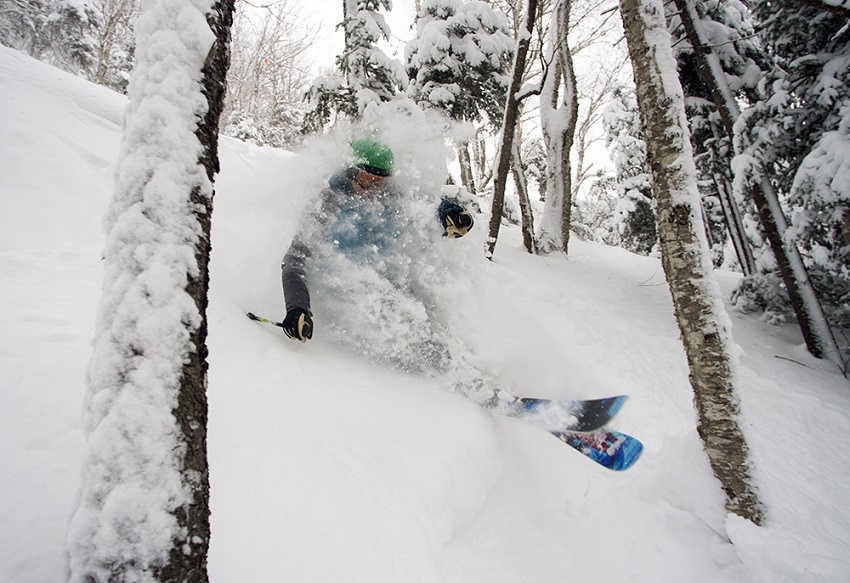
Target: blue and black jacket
(352,224)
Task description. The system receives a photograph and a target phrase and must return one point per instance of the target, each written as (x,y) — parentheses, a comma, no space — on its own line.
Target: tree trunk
(503,161)
(810,316)
(466,177)
(521,185)
(188,560)
(735,225)
(703,322)
(479,152)
(143,512)
(559,127)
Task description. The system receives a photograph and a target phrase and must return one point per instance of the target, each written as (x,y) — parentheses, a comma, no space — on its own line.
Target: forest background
(729,149)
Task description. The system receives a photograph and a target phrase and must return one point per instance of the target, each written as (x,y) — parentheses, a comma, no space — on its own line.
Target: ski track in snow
(325,467)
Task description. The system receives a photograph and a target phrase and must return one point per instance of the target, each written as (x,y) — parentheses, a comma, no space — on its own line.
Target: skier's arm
(293,267)
(294,277)
(454,218)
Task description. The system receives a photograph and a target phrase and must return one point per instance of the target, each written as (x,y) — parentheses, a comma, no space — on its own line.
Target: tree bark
(507,136)
(559,127)
(734,225)
(810,316)
(466,176)
(703,322)
(479,155)
(188,560)
(521,185)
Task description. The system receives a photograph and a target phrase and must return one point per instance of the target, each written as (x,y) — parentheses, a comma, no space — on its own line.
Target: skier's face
(367,183)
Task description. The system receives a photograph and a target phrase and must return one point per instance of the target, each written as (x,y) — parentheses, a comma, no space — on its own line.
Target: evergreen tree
(595,214)
(751,180)
(459,60)
(458,63)
(367,74)
(756,175)
(624,137)
(800,132)
(61,33)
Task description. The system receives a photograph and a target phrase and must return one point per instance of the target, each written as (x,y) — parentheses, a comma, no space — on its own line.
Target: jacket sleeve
(296,294)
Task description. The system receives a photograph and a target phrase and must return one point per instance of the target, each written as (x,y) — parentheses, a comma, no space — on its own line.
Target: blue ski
(611,449)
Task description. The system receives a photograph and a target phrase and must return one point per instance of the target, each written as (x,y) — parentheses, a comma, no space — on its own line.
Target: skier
(356,240)
(359,216)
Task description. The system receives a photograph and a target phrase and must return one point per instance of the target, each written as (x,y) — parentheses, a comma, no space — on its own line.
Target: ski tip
(616,403)
(610,449)
(631,457)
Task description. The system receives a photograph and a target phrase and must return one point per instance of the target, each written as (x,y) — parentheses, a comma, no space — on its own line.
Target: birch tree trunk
(559,127)
(466,177)
(810,316)
(521,185)
(143,512)
(704,325)
(503,161)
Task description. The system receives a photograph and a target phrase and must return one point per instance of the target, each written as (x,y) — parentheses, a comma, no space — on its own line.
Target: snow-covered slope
(325,467)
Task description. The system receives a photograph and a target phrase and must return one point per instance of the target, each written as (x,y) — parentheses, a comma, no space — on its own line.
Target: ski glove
(298,324)
(455,220)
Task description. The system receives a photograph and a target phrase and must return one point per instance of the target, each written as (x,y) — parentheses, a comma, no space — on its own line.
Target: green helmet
(372,156)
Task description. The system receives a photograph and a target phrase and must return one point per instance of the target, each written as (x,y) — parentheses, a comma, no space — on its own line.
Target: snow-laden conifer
(459,60)
(634,216)
(366,74)
(458,63)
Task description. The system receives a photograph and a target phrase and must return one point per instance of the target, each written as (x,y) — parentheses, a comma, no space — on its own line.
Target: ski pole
(256,318)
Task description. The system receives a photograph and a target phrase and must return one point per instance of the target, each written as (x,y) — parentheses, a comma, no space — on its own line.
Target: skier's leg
(361,309)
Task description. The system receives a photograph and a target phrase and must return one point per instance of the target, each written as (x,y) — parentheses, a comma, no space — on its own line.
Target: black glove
(457,223)
(298,324)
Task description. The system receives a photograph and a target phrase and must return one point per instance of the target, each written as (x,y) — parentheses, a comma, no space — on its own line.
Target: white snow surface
(326,467)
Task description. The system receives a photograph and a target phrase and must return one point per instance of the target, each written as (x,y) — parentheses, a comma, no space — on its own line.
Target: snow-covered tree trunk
(143,512)
(704,325)
(466,176)
(559,126)
(521,185)
(810,316)
(482,171)
(735,225)
(503,161)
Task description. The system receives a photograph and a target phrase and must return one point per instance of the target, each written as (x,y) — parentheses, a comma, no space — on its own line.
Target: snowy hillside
(326,467)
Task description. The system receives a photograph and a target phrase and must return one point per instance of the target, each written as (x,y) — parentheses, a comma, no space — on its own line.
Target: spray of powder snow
(395,302)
